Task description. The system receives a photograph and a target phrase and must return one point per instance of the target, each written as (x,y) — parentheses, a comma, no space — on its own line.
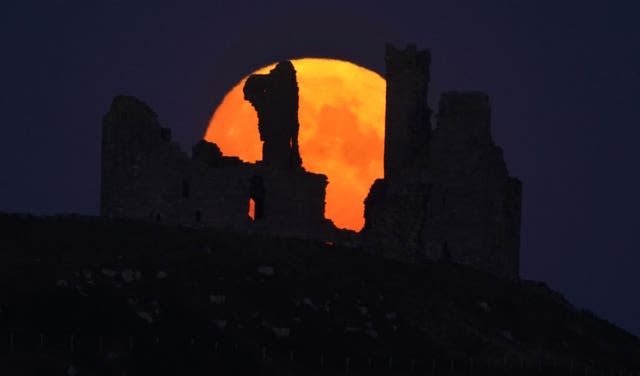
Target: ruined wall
(474,210)
(146,176)
(395,214)
(275,98)
(451,198)
(294,204)
(291,199)
(138,156)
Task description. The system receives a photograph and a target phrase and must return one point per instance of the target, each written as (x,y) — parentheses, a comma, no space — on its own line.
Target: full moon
(341,114)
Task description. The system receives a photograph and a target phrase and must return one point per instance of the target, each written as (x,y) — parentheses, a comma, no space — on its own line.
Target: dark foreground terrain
(87,296)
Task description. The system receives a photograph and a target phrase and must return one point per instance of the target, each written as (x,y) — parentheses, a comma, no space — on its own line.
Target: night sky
(564,83)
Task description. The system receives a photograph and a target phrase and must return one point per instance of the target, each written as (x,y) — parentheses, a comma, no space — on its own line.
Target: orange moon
(341,113)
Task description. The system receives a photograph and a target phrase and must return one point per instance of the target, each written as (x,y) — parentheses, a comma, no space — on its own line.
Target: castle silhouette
(446,192)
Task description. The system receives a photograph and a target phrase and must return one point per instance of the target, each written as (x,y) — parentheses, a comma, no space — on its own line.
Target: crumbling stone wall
(275,98)
(475,209)
(446,193)
(451,198)
(146,176)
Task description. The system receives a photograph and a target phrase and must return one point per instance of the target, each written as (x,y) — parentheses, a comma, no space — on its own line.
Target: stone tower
(407,113)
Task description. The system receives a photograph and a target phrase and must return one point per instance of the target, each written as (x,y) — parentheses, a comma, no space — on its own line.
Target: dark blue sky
(564,82)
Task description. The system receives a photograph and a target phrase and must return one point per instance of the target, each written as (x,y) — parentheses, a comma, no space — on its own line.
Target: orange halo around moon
(341,114)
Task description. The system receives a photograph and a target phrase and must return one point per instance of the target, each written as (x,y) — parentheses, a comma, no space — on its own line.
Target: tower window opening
(252,209)
(256,198)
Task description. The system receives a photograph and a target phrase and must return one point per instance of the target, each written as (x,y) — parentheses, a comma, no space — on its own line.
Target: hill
(90,296)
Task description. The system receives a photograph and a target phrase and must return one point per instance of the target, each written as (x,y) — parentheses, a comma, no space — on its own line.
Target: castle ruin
(446,192)
(146,176)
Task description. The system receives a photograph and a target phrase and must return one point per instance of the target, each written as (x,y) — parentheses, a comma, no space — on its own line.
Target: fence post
(346,365)
(390,362)
(131,342)
(11,342)
(100,344)
(215,347)
(291,356)
(264,353)
(41,341)
(452,367)
(369,362)
(413,365)
(321,360)
(470,366)
(433,366)
(71,343)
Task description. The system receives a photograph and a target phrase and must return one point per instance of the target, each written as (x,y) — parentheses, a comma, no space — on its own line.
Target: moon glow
(341,114)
